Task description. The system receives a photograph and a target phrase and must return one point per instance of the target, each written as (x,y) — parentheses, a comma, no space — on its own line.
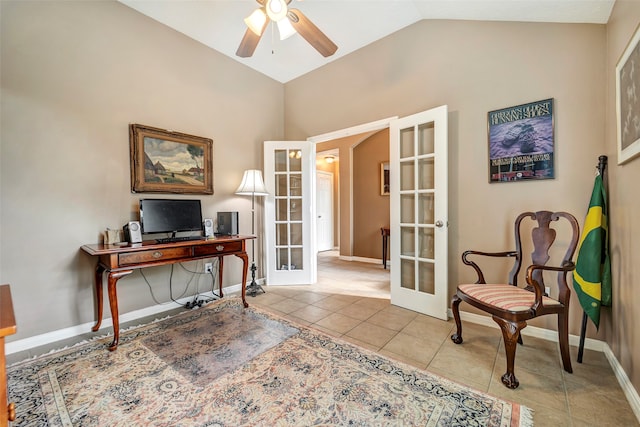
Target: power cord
(198,299)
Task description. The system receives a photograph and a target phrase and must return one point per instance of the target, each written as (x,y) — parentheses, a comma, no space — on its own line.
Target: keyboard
(179,239)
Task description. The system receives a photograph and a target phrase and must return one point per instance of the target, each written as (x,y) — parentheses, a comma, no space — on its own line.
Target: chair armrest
(475,266)
(566,267)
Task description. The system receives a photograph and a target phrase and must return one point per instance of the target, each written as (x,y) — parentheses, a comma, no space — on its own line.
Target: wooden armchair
(511,306)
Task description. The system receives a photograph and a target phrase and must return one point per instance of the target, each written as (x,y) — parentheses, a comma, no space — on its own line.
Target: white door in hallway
(290,248)
(324,210)
(419,214)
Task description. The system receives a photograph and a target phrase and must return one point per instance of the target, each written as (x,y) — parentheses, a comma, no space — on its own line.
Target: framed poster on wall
(628,101)
(521,142)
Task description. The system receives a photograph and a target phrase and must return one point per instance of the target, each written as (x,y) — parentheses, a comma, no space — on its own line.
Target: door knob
(439,223)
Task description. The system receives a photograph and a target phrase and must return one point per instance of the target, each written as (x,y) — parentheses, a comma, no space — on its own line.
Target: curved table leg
(98,284)
(220,268)
(245,266)
(113,303)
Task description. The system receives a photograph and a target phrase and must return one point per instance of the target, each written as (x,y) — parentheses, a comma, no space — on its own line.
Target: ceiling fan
(289,22)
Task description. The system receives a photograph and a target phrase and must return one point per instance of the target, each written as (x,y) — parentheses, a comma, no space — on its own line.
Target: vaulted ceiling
(351,24)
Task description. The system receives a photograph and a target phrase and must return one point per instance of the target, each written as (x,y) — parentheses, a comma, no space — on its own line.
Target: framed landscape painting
(521,142)
(628,100)
(164,161)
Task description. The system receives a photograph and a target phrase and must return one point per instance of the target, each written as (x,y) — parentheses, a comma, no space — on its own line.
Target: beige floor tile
(393,318)
(287,305)
(358,311)
(586,403)
(467,365)
(412,347)
(374,335)
(311,313)
(536,391)
(338,322)
(336,302)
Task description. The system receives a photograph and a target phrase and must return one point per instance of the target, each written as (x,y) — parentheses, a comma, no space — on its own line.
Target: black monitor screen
(167,216)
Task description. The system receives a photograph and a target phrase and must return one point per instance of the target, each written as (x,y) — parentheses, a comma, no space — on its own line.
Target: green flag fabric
(592,276)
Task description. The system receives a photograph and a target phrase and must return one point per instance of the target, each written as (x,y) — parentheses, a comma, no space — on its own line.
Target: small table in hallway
(385,244)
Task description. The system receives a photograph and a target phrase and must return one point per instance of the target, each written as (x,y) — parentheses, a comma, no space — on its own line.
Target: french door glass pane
(407,143)
(282,234)
(407,273)
(426,170)
(406,176)
(296,234)
(427,277)
(425,208)
(426,138)
(280,160)
(407,241)
(295,214)
(281,210)
(425,243)
(296,259)
(282,260)
(296,185)
(407,208)
(281,186)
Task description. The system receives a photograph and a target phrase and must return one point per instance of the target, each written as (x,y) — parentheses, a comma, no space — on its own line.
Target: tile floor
(351,301)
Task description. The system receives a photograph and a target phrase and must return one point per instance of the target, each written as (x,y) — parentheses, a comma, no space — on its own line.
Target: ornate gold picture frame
(164,161)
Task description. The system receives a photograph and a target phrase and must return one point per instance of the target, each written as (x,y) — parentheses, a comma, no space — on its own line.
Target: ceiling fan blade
(250,41)
(311,33)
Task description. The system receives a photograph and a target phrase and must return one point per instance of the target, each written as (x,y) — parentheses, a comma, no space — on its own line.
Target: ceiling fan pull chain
(273,35)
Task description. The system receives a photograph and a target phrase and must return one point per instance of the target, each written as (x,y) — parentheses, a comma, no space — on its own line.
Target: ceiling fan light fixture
(256,21)
(285,29)
(276,9)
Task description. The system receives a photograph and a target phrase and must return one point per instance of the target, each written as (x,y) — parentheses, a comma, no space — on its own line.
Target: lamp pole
(252,185)
(253,287)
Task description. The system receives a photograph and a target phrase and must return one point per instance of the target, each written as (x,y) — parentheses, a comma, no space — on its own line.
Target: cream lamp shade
(252,184)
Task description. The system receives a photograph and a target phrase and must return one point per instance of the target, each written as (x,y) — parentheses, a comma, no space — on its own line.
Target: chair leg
(510,333)
(563,339)
(455,309)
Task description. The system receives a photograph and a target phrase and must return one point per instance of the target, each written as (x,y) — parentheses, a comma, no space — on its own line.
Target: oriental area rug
(224,365)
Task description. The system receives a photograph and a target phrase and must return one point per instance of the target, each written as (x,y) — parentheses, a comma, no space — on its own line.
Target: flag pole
(602,165)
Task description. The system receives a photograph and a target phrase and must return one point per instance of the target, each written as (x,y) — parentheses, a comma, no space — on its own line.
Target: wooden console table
(7,327)
(120,261)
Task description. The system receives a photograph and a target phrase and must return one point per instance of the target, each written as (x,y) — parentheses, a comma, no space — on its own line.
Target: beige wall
(619,323)
(474,67)
(370,208)
(74,75)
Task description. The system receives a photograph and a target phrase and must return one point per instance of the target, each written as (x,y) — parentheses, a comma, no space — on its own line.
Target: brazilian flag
(592,276)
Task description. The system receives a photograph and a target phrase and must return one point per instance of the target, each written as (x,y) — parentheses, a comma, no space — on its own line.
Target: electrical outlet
(547,290)
(208,267)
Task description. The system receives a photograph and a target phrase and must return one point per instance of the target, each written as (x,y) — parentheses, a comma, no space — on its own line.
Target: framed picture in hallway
(628,100)
(164,161)
(384,179)
(521,142)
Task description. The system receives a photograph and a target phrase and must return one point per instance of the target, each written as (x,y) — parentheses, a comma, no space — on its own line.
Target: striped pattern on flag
(506,297)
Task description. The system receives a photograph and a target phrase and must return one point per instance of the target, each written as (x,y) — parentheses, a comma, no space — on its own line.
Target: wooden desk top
(102,249)
(7,319)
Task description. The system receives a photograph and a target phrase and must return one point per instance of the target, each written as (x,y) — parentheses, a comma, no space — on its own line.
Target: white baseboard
(85,328)
(532,331)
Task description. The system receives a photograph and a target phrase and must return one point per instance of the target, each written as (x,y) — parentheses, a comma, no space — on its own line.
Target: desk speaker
(227,223)
(207,225)
(132,232)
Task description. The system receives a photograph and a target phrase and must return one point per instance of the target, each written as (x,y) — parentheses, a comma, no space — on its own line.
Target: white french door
(419,214)
(289,175)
